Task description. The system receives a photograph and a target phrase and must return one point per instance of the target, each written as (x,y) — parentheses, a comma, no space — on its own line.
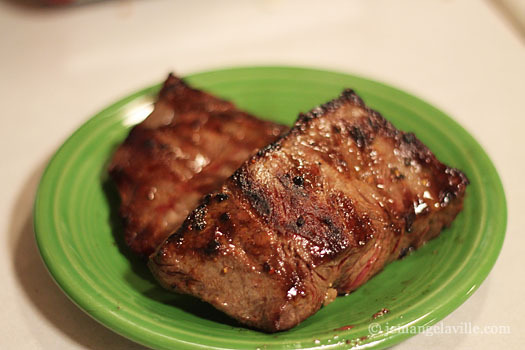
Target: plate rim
(394,338)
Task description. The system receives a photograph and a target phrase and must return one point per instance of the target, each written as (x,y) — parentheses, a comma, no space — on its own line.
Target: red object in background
(57,2)
(64,2)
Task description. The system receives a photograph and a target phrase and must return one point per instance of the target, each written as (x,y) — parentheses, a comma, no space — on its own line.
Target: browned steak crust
(319,211)
(187,147)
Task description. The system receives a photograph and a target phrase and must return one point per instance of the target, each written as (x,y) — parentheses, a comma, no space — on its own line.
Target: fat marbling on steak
(314,214)
(187,147)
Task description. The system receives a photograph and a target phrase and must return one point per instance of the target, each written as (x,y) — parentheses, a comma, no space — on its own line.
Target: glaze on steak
(187,147)
(314,214)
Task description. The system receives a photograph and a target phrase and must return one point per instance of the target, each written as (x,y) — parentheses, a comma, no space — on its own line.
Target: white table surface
(60,66)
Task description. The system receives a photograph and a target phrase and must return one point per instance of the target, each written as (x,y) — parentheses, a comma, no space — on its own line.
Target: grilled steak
(187,147)
(314,214)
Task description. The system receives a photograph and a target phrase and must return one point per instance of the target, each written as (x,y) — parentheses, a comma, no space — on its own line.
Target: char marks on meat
(187,147)
(317,212)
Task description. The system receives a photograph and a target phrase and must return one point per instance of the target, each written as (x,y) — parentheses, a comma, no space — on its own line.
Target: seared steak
(187,147)
(314,214)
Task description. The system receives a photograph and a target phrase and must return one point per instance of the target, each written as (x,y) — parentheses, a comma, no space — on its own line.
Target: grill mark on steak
(256,197)
(187,147)
(321,208)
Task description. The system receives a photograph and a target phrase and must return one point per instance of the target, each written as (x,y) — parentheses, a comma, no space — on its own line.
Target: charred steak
(187,147)
(314,214)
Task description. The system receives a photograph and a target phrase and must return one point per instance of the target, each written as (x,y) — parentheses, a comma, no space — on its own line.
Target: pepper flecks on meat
(298,180)
(358,136)
(300,221)
(317,212)
(225,217)
(221,197)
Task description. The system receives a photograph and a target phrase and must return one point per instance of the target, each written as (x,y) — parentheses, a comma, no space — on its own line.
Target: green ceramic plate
(79,235)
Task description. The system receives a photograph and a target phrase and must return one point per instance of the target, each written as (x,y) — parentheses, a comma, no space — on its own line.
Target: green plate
(79,236)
